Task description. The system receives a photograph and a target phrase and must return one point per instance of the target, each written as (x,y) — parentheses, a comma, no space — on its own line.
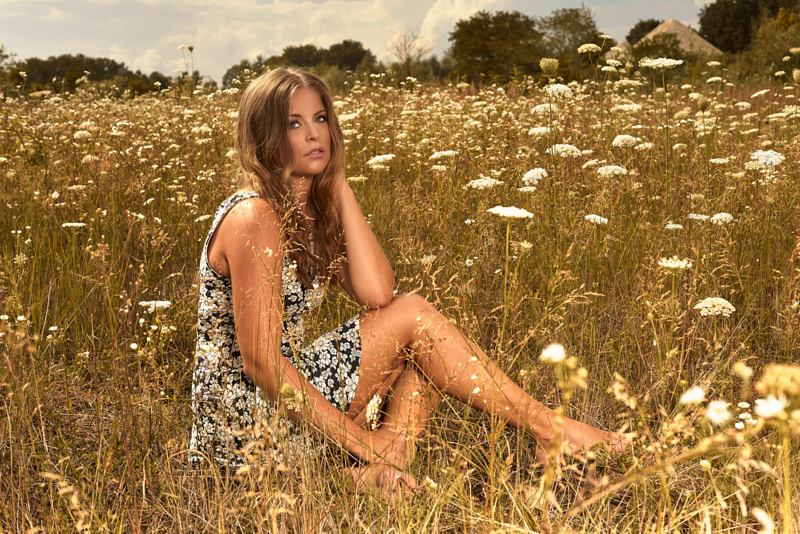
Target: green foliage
(488,46)
(565,30)
(640,29)
(730,25)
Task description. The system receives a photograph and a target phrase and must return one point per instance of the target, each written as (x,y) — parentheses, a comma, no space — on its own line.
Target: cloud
(703,3)
(147,62)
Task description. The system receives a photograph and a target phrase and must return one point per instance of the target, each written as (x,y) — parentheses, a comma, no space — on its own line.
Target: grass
(94,431)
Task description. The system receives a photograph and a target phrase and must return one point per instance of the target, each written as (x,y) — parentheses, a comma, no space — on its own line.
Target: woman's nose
(313,131)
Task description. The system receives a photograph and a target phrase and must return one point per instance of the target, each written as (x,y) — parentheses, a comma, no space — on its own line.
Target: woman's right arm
(250,239)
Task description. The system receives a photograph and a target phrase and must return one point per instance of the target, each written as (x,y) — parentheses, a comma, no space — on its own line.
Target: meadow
(659,245)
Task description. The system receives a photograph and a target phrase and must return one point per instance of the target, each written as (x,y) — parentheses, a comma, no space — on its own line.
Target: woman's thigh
(385,334)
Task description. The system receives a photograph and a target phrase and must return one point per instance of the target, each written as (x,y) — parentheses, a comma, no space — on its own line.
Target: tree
(410,48)
(640,29)
(303,55)
(347,55)
(491,45)
(565,30)
(731,24)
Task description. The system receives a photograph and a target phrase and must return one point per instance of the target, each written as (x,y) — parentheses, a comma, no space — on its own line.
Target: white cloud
(703,3)
(54,14)
(147,62)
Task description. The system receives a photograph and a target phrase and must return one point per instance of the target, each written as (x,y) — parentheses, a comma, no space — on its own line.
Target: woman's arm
(249,236)
(367,274)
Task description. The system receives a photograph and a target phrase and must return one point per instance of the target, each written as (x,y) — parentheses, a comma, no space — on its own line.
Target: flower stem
(505,288)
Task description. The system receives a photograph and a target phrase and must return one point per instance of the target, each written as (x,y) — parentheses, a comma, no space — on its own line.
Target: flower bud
(549,66)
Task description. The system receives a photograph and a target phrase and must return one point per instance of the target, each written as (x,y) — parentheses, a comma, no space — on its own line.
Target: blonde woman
(274,247)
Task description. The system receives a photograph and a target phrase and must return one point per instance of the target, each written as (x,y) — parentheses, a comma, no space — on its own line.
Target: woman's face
(309,136)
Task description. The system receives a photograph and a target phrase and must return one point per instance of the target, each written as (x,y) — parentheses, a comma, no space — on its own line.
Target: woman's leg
(456,366)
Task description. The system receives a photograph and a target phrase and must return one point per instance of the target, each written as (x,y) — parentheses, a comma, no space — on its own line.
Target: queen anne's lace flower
(674,264)
(553,354)
(719,161)
(596,219)
(588,47)
(541,109)
(612,170)
(694,395)
(373,411)
(538,131)
(564,151)
(153,305)
(715,306)
(511,212)
(660,63)
(768,158)
(82,135)
(533,176)
(380,162)
(624,141)
(484,182)
(721,219)
(443,154)
(717,412)
(697,217)
(558,90)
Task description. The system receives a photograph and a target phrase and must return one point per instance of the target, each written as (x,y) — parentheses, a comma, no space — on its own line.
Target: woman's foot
(388,481)
(577,438)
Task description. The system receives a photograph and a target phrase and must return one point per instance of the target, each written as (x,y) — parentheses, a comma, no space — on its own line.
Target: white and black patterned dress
(228,406)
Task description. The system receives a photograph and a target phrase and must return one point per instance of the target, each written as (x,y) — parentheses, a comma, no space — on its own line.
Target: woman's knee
(412,311)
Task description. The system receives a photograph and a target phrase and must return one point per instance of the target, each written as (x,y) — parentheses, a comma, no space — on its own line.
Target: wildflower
(673,226)
(533,176)
(715,306)
(660,63)
(796,75)
(89,158)
(743,106)
(82,135)
(588,48)
(771,407)
(608,68)
(527,189)
(697,217)
(742,370)
(780,73)
(717,412)
(484,182)
(541,109)
(713,64)
(538,131)
(564,151)
(428,259)
(674,265)
(20,259)
(380,162)
(759,93)
(373,411)
(628,108)
(293,398)
(781,381)
(719,161)
(361,178)
(134,346)
(592,163)
(72,225)
(628,83)
(767,157)
(721,219)
(153,305)
(624,141)
(559,91)
(714,79)
(549,66)
(553,354)
(613,62)
(443,154)
(647,145)
(511,212)
(694,395)
(469,262)
(612,170)
(203,218)
(596,219)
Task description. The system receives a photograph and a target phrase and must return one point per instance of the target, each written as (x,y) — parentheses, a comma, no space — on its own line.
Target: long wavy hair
(264,152)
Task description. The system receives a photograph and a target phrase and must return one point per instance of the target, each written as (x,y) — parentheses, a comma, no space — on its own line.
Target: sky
(146,34)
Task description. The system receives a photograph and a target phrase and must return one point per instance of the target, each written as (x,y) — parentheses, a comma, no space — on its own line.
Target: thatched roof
(689,40)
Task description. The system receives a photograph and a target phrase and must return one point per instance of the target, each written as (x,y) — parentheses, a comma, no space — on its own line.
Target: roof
(688,38)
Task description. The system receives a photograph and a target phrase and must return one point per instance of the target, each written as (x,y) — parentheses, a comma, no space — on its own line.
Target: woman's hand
(387,480)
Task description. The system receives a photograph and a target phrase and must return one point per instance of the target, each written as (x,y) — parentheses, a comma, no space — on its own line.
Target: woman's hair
(266,159)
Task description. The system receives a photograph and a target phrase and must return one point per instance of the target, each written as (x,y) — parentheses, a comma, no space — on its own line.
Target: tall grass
(96,387)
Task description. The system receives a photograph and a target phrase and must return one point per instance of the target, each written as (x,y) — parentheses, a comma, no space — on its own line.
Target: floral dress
(230,410)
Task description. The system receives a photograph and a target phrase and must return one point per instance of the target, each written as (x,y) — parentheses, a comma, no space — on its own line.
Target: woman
(271,251)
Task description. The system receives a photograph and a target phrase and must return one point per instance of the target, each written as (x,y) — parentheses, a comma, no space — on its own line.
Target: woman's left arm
(367,274)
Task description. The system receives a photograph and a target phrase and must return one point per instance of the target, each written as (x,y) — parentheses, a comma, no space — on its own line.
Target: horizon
(144,35)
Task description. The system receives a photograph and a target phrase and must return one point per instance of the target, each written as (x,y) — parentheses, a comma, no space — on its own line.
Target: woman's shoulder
(249,214)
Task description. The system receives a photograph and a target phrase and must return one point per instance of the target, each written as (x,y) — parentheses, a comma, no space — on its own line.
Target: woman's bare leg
(458,367)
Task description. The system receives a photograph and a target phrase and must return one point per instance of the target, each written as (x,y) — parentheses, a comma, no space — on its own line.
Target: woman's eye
(322,118)
(293,125)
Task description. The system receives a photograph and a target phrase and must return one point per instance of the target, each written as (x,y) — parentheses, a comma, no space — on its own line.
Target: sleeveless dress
(230,410)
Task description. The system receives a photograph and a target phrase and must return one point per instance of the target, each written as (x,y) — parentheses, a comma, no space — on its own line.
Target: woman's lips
(316,153)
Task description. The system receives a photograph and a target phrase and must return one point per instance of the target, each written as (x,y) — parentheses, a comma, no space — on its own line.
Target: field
(650,199)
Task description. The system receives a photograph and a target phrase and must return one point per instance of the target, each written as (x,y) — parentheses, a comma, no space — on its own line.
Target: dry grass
(94,432)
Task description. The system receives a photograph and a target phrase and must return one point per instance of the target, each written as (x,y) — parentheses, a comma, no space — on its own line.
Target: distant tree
(347,55)
(731,24)
(303,55)
(490,45)
(409,48)
(640,29)
(67,69)
(565,30)
(238,71)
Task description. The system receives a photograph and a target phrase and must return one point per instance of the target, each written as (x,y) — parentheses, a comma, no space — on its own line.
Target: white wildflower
(717,412)
(768,157)
(73,225)
(771,406)
(511,212)
(484,182)
(673,226)
(553,354)
(721,219)
(541,109)
(539,131)
(694,395)
(203,218)
(759,93)
(443,154)
(624,141)
(719,161)
(660,63)
(533,176)
(588,48)
(558,90)
(697,217)
(596,219)
(674,265)
(380,162)
(612,170)
(153,305)
(373,411)
(715,306)
(564,151)
(82,135)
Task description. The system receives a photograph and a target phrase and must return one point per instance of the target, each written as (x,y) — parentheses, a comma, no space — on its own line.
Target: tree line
(487,47)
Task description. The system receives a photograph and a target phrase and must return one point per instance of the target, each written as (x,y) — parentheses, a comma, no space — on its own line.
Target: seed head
(549,66)
(781,381)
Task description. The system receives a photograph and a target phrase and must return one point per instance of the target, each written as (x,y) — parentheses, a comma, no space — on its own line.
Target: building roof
(688,38)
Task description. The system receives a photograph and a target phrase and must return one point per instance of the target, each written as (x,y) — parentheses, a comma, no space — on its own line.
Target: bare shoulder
(250,228)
